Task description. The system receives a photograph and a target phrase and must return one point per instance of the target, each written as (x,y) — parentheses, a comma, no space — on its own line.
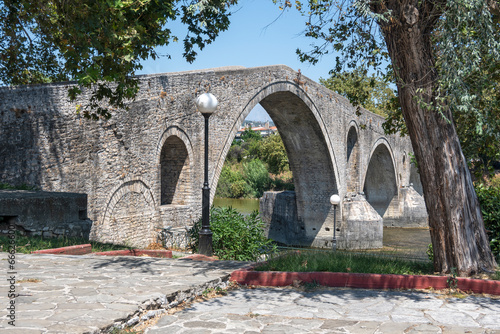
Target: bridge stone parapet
(143,168)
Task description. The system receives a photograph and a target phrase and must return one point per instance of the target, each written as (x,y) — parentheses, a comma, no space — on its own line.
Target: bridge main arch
(310,153)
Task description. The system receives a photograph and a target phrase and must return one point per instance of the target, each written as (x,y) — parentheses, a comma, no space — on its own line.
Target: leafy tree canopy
(250,135)
(370,91)
(274,154)
(100,44)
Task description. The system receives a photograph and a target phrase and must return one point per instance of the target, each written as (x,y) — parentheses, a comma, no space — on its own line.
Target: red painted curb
(70,250)
(367,281)
(137,252)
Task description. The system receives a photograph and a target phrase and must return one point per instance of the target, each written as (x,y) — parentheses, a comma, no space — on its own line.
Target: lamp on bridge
(335,200)
(206,104)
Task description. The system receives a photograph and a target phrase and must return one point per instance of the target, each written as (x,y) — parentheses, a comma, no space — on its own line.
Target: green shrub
(257,176)
(489,198)
(235,237)
(231,183)
(495,181)
(239,189)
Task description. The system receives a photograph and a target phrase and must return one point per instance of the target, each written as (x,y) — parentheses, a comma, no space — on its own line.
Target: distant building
(264,131)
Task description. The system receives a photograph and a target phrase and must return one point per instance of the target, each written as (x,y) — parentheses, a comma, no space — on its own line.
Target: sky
(259,35)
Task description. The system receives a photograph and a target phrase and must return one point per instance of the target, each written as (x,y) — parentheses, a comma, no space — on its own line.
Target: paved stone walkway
(329,310)
(88,294)
(80,294)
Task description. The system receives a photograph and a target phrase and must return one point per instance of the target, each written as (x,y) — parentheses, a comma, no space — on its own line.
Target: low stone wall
(50,214)
(174,238)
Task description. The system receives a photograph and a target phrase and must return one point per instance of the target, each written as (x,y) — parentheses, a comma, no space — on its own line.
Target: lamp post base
(205,246)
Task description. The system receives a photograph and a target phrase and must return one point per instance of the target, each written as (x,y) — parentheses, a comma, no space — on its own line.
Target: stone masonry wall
(118,162)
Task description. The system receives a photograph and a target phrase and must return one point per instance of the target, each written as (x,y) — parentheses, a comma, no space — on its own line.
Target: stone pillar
(278,210)
(414,209)
(361,226)
(407,209)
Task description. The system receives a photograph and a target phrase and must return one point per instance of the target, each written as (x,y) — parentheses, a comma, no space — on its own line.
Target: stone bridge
(143,168)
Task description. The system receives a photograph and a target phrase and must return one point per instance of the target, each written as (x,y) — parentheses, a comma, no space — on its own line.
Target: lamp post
(206,104)
(335,200)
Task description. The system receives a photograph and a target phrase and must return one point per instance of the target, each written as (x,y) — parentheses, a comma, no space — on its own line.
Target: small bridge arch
(353,157)
(380,182)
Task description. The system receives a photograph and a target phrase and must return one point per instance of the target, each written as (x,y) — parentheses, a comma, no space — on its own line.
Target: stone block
(46,213)
(278,210)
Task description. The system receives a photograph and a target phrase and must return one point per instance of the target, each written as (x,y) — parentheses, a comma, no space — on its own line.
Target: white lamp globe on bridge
(206,103)
(335,199)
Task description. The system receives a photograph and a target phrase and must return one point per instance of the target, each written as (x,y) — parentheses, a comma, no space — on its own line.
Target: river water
(245,205)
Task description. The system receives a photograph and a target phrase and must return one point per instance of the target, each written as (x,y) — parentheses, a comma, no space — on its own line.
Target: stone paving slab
(84,294)
(88,294)
(334,310)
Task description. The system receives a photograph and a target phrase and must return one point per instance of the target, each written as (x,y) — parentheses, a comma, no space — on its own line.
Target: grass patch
(27,244)
(345,262)
(6,186)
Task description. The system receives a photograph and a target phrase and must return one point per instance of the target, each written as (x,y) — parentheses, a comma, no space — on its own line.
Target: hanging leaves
(100,44)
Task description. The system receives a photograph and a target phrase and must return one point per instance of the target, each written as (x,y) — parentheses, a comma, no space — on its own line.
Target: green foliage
(7,186)
(495,181)
(307,261)
(273,153)
(248,163)
(283,181)
(232,184)
(236,153)
(469,67)
(243,180)
(371,92)
(469,59)
(100,44)
(430,253)
(251,144)
(250,135)
(489,198)
(235,237)
(257,176)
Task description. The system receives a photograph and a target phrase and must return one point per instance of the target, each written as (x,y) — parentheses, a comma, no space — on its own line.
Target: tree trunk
(456,225)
